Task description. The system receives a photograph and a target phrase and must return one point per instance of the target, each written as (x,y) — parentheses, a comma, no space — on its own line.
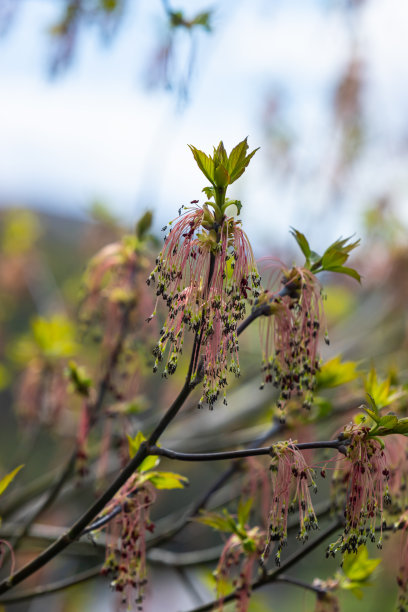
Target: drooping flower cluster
(42,394)
(364,475)
(126,540)
(402,576)
(240,555)
(205,273)
(291,482)
(327,602)
(291,333)
(111,284)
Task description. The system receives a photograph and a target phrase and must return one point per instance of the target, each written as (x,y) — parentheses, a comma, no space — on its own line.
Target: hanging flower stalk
(291,334)
(365,481)
(402,576)
(125,558)
(291,481)
(112,287)
(205,273)
(241,555)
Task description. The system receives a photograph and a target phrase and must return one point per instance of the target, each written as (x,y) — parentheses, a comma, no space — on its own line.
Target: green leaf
(335,256)
(134,443)
(6,480)
(335,372)
(216,521)
(150,462)
(237,156)
(354,587)
(55,337)
(357,566)
(221,176)
(5,377)
(220,156)
(302,242)
(239,170)
(204,162)
(344,270)
(244,508)
(144,224)
(209,192)
(372,413)
(203,19)
(166,480)
(379,391)
(79,378)
(249,545)
(401,427)
(388,421)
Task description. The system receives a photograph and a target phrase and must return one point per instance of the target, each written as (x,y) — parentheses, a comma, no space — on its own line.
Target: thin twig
(53,587)
(239,454)
(300,583)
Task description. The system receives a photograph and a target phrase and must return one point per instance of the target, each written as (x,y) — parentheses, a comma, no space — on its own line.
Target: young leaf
(240,168)
(358,567)
(6,480)
(221,176)
(209,192)
(388,421)
(302,242)
(335,256)
(244,508)
(204,162)
(144,224)
(237,156)
(334,373)
(166,480)
(133,444)
(216,521)
(79,378)
(220,156)
(380,391)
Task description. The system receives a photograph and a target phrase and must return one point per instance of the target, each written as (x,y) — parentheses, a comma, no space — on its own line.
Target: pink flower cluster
(290,337)
(236,555)
(126,539)
(291,482)
(205,273)
(364,478)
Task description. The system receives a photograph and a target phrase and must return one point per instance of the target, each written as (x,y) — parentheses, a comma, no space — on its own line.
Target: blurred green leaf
(244,508)
(335,372)
(166,480)
(6,480)
(358,566)
(79,378)
(134,444)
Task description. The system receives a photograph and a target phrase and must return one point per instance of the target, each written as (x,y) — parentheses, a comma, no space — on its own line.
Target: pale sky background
(97,132)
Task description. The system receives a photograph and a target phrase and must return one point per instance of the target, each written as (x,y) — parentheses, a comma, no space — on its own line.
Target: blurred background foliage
(333,161)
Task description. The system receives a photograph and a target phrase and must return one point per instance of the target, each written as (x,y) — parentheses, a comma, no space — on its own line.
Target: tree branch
(53,587)
(239,454)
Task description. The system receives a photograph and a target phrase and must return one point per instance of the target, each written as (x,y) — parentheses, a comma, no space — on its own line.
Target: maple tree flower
(240,555)
(327,602)
(125,558)
(291,481)
(290,334)
(111,283)
(402,576)
(364,475)
(205,273)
